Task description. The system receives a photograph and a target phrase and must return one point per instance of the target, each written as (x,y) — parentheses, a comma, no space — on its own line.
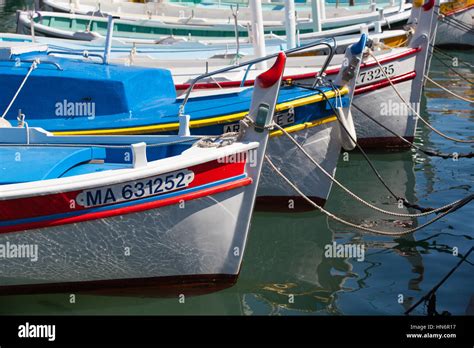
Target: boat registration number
(282,118)
(128,191)
(375,74)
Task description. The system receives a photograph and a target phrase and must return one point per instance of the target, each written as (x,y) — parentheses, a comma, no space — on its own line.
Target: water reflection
(8,9)
(285,253)
(285,268)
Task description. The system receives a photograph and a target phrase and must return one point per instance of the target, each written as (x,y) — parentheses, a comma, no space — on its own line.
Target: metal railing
(83,54)
(18,60)
(324,42)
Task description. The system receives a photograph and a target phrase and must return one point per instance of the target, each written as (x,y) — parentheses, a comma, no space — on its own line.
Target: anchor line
(447,90)
(405,201)
(440,51)
(452,70)
(458,24)
(416,147)
(413,110)
(363,228)
(431,293)
(356,197)
(377,174)
(33,66)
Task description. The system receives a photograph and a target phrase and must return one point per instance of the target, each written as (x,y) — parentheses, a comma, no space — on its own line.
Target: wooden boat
(85,27)
(332,16)
(456,23)
(132,100)
(170,212)
(173,49)
(374,94)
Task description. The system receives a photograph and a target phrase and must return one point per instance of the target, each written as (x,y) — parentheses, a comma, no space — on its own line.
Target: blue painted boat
(70,97)
(164,213)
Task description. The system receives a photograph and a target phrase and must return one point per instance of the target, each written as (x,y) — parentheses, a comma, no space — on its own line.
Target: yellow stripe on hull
(448,7)
(302,126)
(158,128)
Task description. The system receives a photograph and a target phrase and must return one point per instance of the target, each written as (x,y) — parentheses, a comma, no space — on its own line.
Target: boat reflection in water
(287,256)
(285,270)
(397,169)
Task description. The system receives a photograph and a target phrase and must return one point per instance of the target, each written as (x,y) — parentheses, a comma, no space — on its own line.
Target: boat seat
(20,164)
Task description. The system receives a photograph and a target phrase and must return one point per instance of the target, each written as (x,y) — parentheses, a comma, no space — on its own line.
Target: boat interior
(70,156)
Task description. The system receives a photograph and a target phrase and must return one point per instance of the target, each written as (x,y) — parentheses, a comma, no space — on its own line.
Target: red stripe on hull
(170,286)
(286,204)
(131,209)
(384,143)
(384,83)
(233,84)
(59,203)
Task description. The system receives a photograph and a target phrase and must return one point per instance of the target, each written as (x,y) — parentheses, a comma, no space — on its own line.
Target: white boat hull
(323,144)
(151,248)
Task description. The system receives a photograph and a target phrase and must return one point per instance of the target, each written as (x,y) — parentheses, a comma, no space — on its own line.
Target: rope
(458,24)
(406,203)
(363,228)
(377,174)
(439,50)
(414,111)
(33,66)
(447,90)
(437,286)
(416,147)
(353,195)
(449,18)
(452,70)
(219,141)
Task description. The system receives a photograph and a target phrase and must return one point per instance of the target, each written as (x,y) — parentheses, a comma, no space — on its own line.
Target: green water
(285,271)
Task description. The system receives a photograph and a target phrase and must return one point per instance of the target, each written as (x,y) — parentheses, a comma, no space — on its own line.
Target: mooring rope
(439,50)
(428,296)
(447,90)
(352,194)
(416,147)
(413,110)
(363,228)
(33,66)
(452,70)
(405,201)
(458,24)
(376,172)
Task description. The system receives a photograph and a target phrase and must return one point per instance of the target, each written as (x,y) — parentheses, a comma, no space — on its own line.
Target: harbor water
(286,268)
